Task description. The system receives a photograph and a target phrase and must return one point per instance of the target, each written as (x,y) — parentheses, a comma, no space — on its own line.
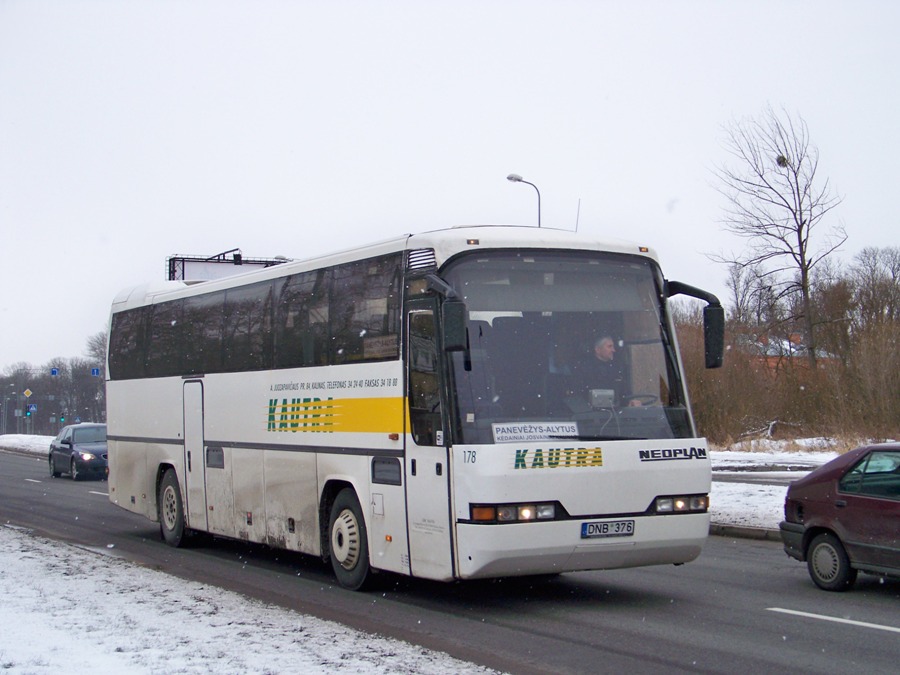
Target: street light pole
(7,397)
(516,178)
(4,425)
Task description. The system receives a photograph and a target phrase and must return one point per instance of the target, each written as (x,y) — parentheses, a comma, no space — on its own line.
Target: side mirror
(713,321)
(453,319)
(714,335)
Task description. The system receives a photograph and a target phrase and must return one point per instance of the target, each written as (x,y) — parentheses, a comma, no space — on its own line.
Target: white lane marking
(32,480)
(102,494)
(822,617)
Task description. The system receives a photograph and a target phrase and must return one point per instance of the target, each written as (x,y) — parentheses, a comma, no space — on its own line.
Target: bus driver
(601,372)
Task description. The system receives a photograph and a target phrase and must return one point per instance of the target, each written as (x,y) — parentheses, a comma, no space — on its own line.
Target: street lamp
(516,178)
(7,397)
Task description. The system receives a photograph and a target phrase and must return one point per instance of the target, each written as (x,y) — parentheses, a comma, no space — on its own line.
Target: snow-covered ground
(66,609)
(749,504)
(70,609)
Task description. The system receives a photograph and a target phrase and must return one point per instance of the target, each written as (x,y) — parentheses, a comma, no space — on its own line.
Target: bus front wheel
(171,509)
(349,544)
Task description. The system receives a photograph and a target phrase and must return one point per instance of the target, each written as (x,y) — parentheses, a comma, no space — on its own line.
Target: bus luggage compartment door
(428,509)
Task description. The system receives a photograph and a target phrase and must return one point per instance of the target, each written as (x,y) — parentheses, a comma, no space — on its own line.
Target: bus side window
(301,320)
(424,388)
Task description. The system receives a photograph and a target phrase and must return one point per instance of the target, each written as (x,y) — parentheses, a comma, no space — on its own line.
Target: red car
(844,517)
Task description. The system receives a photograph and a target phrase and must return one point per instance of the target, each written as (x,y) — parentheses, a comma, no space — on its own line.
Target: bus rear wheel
(171,509)
(349,544)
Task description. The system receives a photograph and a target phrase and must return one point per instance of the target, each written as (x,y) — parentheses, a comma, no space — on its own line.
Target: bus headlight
(526,513)
(682,504)
(507,514)
(546,511)
(700,503)
(511,513)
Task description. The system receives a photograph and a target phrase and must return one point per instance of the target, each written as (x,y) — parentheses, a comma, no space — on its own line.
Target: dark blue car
(80,451)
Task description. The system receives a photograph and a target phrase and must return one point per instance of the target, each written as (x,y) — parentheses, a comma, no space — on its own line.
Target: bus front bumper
(520,549)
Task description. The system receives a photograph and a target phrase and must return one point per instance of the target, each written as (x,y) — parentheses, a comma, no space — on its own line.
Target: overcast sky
(132,131)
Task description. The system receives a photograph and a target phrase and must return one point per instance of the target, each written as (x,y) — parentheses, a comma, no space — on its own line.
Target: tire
(53,472)
(73,470)
(348,542)
(171,510)
(828,564)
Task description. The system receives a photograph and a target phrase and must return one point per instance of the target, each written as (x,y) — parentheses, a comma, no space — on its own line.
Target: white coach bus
(418,406)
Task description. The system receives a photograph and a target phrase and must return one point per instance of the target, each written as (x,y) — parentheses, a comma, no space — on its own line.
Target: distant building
(777,353)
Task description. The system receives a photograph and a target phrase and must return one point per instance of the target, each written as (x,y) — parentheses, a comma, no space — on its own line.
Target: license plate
(607,528)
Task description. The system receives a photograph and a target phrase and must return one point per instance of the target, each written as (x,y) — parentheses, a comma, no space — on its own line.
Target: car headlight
(86,456)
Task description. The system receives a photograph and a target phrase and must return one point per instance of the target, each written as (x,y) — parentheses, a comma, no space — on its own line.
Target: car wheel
(171,510)
(73,471)
(828,564)
(349,549)
(53,472)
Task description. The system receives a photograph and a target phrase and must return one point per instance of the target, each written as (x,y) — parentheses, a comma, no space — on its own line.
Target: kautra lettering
(299,414)
(552,458)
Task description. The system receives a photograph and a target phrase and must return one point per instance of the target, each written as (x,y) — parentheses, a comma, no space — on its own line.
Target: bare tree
(96,348)
(740,287)
(775,203)
(832,297)
(876,273)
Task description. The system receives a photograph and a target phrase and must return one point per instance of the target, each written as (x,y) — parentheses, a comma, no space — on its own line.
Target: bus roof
(446,243)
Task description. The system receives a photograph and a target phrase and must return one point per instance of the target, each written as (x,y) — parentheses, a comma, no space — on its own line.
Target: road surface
(743,606)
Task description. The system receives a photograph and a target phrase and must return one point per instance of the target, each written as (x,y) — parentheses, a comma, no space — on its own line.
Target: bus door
(427,466)
(194,477)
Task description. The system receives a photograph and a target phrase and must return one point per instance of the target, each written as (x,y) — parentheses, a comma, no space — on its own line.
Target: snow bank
(33,444)
(66,609)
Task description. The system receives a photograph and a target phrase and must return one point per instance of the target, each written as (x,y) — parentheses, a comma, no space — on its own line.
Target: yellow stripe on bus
(347,415)
(372,415)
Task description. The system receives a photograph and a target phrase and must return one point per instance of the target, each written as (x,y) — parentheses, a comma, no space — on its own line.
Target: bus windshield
(564,345)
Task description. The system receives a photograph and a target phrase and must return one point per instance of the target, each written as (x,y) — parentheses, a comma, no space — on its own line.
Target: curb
(744,532)
(22,451)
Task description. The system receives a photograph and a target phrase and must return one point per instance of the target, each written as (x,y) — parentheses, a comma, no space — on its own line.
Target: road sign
(32,407)
(54,372)
(27,393)
(95,372)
